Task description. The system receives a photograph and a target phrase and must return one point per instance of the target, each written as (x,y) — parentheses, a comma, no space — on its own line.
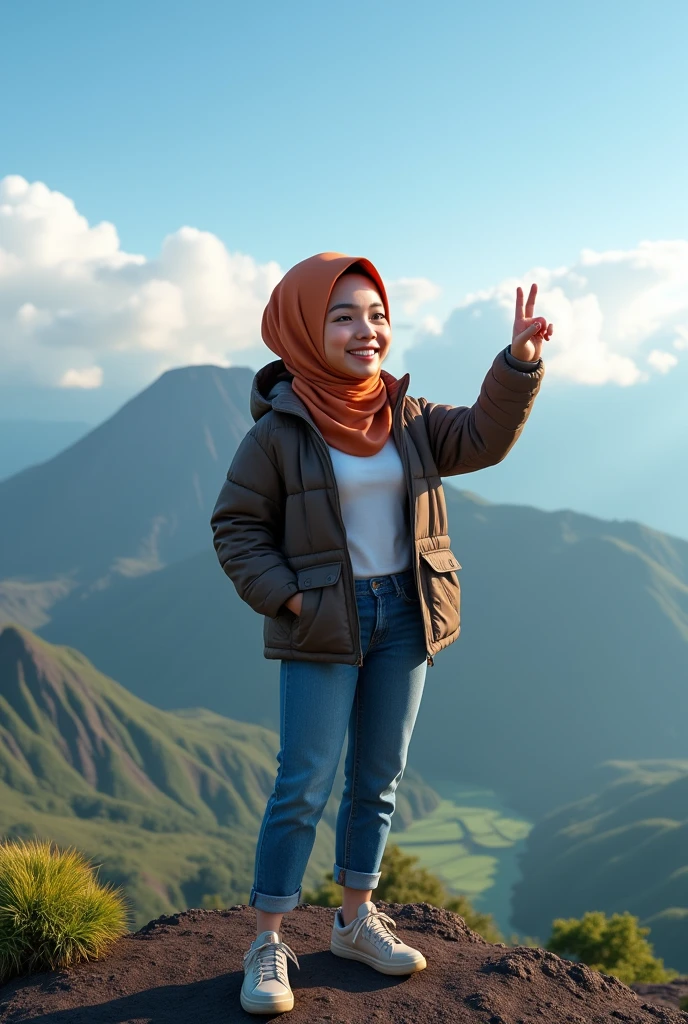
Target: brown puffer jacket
(277,524)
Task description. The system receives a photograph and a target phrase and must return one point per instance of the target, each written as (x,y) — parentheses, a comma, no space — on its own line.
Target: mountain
(623,847)
(27,442)
(136,492)
(76,741)
(574,645)
(169,802)
(158,798)
(574,635)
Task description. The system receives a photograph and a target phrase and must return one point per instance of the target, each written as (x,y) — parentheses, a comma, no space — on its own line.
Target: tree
(403,882)
(211,886)
(614,946)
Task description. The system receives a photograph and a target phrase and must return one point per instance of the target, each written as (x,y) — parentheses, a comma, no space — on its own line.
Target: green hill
(574,629)
(573,653)
(624,847)
(169,802)
(561,638)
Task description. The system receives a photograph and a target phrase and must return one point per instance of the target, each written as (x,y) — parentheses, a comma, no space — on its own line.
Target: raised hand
(529,332)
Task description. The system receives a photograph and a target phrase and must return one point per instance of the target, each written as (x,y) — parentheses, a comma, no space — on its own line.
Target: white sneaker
(266,988)
(369,938)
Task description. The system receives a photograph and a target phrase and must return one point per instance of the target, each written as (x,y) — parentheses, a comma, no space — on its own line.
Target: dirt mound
(187,967)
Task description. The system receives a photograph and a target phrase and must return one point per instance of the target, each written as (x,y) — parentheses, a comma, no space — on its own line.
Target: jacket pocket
(323,624)
(441,591)
(289,630)
(277,631)
(318,576)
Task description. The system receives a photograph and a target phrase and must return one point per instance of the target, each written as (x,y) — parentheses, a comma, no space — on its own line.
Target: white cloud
(89,377)
(662,361)
(681,341)
(411,292)
(431,324)
(75,310)
(614,313)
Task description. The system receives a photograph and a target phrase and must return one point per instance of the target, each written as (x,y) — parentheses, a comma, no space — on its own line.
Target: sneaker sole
(384,967)
(278,1004)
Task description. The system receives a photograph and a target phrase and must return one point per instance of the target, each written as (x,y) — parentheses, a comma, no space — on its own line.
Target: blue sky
(464,148)
(451,140)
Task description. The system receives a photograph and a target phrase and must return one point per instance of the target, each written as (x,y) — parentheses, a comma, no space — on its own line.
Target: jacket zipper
(328,459)
(412,512)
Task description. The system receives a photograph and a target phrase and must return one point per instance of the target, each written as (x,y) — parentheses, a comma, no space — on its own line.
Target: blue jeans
(378,703)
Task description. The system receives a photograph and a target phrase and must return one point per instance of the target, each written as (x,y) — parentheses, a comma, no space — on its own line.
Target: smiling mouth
(364,353)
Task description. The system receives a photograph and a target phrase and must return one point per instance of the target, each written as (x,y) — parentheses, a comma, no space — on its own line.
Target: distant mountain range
(625,847)
(574,643)
(136,492)
(169,802)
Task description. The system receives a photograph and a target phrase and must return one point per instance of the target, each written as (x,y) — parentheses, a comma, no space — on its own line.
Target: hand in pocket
(294,602)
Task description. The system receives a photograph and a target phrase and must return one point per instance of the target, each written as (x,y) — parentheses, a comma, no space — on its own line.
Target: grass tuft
(53,911)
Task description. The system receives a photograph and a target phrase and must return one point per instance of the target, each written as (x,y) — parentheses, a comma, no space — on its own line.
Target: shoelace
(269,961)
(377,926)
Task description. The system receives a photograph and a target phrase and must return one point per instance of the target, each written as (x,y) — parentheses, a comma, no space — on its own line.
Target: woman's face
(357,334)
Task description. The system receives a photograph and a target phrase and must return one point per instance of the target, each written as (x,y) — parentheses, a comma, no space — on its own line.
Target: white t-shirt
(374,500)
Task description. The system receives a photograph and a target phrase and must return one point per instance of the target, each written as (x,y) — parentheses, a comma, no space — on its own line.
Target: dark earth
(187,968)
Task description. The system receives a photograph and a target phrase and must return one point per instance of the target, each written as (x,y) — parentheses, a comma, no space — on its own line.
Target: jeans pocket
(409,592)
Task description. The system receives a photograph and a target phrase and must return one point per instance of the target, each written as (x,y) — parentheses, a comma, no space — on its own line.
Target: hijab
(353,414)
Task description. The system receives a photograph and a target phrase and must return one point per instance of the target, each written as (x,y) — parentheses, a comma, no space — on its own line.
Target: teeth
(363,351)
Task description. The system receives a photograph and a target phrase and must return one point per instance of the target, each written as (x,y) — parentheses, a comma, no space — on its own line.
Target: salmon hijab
(353,414)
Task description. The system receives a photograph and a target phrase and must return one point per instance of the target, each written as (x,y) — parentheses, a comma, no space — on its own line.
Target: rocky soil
(187,968)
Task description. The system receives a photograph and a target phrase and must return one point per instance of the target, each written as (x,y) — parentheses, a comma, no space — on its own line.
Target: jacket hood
(271,389)
(272,379)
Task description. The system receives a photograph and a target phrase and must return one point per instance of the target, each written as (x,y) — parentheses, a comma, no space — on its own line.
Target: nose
(366,331)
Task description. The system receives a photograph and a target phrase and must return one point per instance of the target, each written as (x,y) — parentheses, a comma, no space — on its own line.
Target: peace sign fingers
(519,315)
(529,331)
(530,305)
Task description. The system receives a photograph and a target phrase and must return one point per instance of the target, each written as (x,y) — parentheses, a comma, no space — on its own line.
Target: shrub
(53,912)
(614,946)
(403,881)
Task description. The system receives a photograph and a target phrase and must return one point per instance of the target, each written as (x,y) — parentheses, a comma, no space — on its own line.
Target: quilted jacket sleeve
(247,524)
(467,438)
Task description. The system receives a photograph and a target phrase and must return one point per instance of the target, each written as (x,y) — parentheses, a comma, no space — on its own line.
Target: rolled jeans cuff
(355,879)
(274,904)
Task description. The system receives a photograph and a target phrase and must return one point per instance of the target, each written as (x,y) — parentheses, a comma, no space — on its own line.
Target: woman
(332,525)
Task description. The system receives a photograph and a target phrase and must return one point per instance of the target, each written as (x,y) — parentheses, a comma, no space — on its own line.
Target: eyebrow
(352,305)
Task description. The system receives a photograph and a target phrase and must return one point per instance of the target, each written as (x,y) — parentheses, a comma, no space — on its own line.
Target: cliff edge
(188,966)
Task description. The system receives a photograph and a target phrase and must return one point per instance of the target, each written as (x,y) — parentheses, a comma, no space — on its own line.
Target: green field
(470,841)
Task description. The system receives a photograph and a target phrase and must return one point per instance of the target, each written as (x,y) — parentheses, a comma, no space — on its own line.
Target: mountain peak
(70,731)
(23,656)
(45,685)
(137,491)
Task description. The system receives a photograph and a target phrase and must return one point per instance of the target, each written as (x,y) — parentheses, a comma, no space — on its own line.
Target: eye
(345,316)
